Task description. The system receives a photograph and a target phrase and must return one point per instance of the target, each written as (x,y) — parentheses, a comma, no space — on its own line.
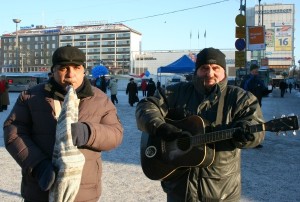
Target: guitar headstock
(282,124)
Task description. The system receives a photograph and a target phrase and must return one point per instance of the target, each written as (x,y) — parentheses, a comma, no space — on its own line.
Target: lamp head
(16,20)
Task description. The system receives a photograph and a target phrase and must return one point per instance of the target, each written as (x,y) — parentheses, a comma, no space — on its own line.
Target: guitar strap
(220,107)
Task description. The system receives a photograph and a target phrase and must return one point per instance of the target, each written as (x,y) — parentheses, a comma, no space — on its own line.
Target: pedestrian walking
(113,87)
(151,87)
(224,106)
(132,92)
(30,130)
(290,87)
(158,84)
(282,86)
(254,84)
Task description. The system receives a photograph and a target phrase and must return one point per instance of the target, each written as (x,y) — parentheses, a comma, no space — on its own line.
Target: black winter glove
(80,133)
(44,172)
(168,132)
(241,136)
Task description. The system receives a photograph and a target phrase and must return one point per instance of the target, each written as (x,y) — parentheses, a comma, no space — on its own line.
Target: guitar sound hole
(183,144)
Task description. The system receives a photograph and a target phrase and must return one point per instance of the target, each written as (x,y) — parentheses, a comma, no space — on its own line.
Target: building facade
(151,60)
(118,47)
(279,24)
(112,45)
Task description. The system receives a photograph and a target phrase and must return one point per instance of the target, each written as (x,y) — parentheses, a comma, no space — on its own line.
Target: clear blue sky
(168,30)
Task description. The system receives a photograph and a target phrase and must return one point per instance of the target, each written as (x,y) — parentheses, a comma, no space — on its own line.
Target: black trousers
(114,99)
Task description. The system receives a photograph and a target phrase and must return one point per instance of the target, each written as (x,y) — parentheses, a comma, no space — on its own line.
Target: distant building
(112,45)
(153,59)
(279,23)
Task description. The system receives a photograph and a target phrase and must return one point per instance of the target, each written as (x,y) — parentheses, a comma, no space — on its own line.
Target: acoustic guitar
(163,160)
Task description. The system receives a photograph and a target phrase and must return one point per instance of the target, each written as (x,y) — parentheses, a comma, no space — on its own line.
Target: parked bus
(21,81)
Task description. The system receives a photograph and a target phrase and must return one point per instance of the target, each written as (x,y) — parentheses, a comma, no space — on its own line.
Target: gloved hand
(44,172)
(168,132)
(241,136)
(80,133)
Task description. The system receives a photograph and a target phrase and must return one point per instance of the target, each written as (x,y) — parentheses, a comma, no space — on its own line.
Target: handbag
(136,99)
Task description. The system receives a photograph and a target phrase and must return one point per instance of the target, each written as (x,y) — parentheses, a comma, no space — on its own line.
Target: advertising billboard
(256,38)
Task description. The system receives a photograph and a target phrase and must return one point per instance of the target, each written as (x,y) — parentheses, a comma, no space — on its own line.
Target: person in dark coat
(158,84)
(101,83)
(290,87)
(151,87)
(221,179)
(282,86)
(254,84)
(30,129)
(132,92)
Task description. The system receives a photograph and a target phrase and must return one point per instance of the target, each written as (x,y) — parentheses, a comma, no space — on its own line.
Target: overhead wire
(171,12)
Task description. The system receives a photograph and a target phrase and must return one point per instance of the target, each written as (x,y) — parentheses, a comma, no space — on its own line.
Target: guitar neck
(222,135)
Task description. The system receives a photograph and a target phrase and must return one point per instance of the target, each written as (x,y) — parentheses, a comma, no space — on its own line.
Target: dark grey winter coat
(220,181)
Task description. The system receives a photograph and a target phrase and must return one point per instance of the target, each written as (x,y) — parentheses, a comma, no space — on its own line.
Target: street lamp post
(17,42)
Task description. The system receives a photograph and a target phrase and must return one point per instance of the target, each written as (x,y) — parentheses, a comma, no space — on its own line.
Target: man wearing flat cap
(30,129)
(213,172)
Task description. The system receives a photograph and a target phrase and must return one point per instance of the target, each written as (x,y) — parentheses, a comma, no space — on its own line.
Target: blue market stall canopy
(99,70)
(182,65)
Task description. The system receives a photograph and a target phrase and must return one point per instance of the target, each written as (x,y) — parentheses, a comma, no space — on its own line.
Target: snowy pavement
(268,174)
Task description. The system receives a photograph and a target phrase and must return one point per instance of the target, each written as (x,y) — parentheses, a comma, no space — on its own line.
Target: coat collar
(56,90)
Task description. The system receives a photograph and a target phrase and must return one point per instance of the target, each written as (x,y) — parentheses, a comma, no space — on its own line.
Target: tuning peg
(294,133)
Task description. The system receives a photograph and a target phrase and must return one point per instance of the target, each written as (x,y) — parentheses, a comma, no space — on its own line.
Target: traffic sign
(240,32)
(240,57)
(240,20)
(240,44)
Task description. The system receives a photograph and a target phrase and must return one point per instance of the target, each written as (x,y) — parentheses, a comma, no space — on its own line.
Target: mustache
(204,80)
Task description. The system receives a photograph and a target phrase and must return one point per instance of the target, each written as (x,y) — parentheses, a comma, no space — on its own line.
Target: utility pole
(17,21)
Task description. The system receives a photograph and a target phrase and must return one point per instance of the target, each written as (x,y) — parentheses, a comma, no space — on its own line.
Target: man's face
(69,75)
(254,72)
(211,74)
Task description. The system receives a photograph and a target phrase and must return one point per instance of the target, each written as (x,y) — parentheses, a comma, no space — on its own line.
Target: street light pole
(17,42)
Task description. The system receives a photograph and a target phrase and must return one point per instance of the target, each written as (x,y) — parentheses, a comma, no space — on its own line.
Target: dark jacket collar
(83,91)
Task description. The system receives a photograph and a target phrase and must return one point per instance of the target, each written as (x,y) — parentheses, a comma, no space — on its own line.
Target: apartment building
(112,45)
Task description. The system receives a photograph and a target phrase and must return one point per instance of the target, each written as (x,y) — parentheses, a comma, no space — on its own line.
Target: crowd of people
(31,128)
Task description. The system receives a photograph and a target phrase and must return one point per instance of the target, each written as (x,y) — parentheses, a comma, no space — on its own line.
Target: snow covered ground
(268,174)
